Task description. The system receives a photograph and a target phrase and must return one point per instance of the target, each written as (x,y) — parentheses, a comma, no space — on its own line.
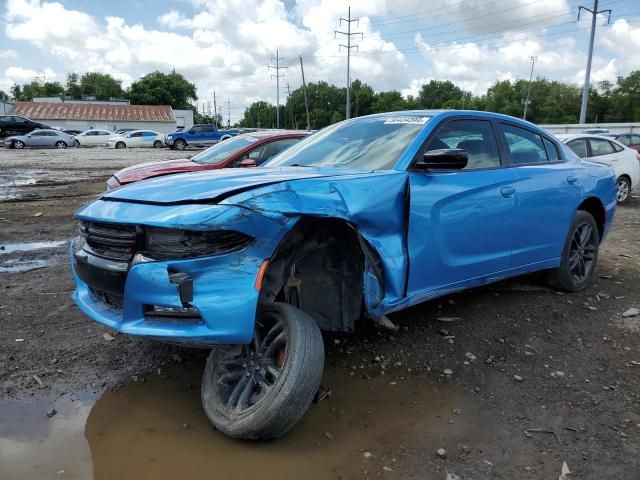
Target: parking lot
(507,381)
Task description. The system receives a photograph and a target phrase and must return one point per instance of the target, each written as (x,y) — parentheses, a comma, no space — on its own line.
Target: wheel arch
(327,267)
(595,207)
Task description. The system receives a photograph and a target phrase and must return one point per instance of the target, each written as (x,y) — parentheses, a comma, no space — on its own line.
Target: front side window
(370,143)
(524,145)
(634,140)
(269,150)
(601,147)
(37,133)
(135,134)
(476,137)
(195,130)
(223,150)
(579,147)
(19,120)
(5,119)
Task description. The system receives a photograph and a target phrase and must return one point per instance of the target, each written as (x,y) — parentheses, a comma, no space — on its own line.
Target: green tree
(72,87)
(625,99)
(388,102)
(159,88)
(437,93)
(101,85)
(36,88)
(260,114)
(3,96)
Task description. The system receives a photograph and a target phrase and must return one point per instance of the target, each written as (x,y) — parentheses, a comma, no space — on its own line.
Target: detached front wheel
(260,391)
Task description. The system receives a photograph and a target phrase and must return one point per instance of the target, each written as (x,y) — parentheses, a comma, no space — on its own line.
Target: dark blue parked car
(203,135)
(363,218)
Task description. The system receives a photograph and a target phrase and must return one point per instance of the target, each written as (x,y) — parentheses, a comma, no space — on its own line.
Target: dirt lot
(511,380)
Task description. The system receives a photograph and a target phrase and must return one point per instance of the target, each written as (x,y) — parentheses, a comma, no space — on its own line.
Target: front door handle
(572,179)
(507,191)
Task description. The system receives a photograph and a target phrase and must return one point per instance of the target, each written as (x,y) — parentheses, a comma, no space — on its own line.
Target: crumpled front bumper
(224,291)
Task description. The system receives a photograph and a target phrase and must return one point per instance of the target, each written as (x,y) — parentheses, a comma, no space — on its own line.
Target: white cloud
(226,45)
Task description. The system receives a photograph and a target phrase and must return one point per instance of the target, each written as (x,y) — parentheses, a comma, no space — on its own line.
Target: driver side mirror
(443,159)
(247,162)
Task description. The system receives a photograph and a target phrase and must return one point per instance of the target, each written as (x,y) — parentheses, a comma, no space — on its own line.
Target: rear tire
(179,144)
(623,190)
(258,391)
(61,144)
(18,144)
(157,144)
(579,255)
(121,145)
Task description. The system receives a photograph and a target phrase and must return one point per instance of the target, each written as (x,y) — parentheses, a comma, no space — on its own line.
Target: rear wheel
(579,256)
(121,145)
(179,144)
(76,143)
(259,391)
(18,144)
(157,144)
(61,144)
(623,190)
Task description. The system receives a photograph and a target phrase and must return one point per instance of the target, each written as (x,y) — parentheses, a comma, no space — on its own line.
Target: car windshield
(223,150)
(364,143)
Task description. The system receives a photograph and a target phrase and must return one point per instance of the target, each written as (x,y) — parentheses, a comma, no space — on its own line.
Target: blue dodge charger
(365,217)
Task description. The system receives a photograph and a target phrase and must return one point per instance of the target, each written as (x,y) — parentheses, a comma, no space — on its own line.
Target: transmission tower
(277,67)
(348,46)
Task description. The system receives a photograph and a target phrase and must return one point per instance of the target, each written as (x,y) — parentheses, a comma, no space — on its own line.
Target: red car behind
(246,150)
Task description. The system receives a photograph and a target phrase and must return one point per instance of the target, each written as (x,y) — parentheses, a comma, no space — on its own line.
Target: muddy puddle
(28,255)
(157,429)
(21,184)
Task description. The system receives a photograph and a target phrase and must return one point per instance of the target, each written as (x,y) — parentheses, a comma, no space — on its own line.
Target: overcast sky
(226,45)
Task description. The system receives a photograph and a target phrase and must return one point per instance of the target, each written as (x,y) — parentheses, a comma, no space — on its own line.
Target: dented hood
(213,186)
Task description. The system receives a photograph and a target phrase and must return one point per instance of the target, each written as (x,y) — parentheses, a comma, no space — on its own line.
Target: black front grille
(108,240)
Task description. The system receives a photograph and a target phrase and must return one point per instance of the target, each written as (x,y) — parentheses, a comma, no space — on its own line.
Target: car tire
(76,143)
(623,190)
(579,255)
(157,144)
(121,145)
(282,383)
(61,144)
(179,144)
(18,144)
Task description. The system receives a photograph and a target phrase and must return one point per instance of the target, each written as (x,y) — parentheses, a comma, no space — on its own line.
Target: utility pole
(304,88)
(289,100)
(277,67)
(228,113)
(215,108)
(348,46)
(585,91)
(528,99)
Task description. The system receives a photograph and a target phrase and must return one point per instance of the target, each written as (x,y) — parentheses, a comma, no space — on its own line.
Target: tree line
(551,101)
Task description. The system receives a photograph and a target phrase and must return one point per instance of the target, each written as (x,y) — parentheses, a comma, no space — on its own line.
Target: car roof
(265,134)
(566,137)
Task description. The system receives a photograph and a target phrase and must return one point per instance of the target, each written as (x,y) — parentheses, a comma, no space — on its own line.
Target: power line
(585,91)
(277,67)
(348,46)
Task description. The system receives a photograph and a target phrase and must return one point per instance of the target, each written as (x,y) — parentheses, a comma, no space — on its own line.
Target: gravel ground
(540,378)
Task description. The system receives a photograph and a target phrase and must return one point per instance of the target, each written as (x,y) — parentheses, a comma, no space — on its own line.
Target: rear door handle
(572,179)
(507,191)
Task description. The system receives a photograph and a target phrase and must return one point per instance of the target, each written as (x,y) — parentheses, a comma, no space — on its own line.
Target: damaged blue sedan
(363,218)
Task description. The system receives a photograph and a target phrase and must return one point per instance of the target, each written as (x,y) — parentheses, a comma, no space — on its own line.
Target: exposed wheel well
(319,267)
(594,206)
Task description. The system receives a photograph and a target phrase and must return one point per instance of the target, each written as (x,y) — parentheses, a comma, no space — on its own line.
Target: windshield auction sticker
(407,119)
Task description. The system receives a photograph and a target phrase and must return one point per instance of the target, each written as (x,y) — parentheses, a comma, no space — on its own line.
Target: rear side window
(579,147)
(601,147)
(634,139)
(5,119)
(136,134)
(207,128)
(552,150)
(148,134)
(525,146)
(474,136)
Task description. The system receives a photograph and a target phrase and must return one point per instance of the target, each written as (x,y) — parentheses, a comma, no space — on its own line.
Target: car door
(461,222)
(134,140)
(90,138)
(21,126)
(603,151)
(148,138)
(36,139)
(548,195)
(102,137)
(207,136)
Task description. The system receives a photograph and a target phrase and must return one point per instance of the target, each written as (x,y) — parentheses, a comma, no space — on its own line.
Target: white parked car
(624,160)
(93,138)
(137,138)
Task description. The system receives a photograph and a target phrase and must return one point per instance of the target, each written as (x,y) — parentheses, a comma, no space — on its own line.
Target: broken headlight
(165,244)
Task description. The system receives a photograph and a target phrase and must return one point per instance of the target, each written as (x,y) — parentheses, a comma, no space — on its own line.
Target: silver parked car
(40,139)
